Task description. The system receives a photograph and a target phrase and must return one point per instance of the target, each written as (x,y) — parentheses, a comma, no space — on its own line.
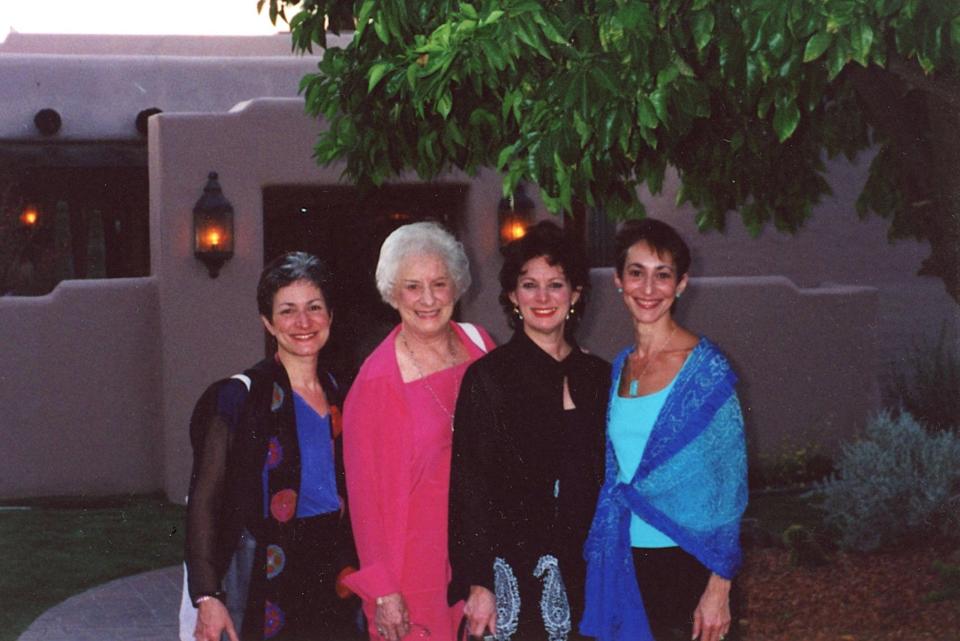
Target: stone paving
(142,607)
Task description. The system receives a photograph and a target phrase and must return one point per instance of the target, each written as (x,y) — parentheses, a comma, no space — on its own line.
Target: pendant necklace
(426,382)
(633,389)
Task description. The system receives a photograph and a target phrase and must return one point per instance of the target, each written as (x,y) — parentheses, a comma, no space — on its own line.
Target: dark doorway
(346,230)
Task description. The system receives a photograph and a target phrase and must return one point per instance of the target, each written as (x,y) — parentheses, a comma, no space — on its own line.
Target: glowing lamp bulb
(517,230)
(29,217)
(213,238)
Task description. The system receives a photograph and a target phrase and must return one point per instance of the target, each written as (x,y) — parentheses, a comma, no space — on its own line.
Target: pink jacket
(376,432)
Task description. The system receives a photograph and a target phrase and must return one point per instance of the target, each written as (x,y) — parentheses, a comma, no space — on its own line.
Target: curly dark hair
(548,240)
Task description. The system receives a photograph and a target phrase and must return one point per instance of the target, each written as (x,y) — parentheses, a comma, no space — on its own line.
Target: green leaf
(661,104)
(445,104)
(702,25)
(506,153)
(786,117)
(630,14)
(377,72)
(604,79)
(816,46)
(380,27)
(646,113)
(492,17)
(363,18)
(493,53)
(549,29)
(861,40)
(469,11)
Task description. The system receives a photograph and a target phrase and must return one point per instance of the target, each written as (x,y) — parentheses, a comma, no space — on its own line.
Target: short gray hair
(421,239)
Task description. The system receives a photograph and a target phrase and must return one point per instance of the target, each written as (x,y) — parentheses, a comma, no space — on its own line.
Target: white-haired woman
(398,433)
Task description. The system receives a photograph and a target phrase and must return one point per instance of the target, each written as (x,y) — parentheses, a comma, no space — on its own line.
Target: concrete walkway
(142,607)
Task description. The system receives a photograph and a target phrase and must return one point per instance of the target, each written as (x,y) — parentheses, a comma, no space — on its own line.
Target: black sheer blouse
(526,472)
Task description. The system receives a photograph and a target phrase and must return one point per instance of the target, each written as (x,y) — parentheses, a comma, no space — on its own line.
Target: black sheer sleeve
(473,515)
(345,551)
(210,438)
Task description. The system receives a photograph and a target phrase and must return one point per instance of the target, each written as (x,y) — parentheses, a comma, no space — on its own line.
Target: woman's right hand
(481,611)
(212,620)
(392,618)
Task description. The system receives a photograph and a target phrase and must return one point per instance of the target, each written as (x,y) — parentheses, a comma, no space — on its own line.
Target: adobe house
(98,375)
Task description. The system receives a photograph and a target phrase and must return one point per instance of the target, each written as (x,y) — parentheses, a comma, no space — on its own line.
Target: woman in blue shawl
(664,543)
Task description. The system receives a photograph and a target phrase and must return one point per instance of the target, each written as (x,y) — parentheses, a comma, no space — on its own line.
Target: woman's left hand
(711,619)
(391,618)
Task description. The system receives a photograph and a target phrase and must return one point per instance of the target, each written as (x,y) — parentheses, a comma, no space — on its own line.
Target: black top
(231,431)
(526,472)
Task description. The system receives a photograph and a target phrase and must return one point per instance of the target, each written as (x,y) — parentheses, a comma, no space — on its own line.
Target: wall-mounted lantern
(213,227)
(514,215)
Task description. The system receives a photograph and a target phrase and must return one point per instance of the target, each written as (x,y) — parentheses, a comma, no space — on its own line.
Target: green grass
(63,546)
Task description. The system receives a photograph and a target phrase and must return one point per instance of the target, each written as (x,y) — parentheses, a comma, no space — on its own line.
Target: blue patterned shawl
(691,484)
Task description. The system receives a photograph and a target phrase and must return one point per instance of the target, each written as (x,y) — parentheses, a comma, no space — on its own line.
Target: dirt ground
(876,597)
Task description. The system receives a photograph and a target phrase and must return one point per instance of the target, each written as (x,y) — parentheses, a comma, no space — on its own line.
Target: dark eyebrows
(312,301)
(656,268)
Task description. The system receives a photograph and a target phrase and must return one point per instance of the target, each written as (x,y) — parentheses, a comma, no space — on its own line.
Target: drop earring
(619,290)
(516,310)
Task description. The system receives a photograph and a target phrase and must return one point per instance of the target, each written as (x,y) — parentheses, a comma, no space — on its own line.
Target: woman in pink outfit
(398,434)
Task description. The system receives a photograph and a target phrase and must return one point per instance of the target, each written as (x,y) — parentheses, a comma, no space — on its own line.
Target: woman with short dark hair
(664,544)
(266,529)
(528,451)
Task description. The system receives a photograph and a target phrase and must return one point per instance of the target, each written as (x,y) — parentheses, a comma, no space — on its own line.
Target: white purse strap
(474,335)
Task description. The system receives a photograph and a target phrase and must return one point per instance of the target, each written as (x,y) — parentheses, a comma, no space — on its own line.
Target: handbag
(462,634)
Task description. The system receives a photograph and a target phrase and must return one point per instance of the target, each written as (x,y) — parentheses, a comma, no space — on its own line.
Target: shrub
(798,467)
(899,481)
(927,383)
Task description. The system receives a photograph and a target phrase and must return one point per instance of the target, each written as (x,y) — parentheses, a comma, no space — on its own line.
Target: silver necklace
(423,377)
(635,382)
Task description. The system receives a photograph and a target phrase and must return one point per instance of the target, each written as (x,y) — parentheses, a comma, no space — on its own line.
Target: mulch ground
(875,597)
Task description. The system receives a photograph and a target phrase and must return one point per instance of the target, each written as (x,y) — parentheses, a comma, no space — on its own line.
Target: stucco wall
(99,97)
(79,390)
(217,318)
(806,358)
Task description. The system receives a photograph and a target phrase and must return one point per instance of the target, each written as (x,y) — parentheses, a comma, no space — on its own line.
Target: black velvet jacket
(525,472)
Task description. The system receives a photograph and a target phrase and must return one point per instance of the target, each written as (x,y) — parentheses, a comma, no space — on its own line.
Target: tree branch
(945,87)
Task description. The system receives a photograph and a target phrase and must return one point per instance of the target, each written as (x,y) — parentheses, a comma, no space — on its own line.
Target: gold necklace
(635,382)
(423,377)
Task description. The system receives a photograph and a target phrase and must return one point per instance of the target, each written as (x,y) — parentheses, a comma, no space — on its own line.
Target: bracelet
(219,596)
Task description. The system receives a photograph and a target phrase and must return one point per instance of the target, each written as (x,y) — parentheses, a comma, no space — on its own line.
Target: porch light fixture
(213,227)
(29,217)
(514,215)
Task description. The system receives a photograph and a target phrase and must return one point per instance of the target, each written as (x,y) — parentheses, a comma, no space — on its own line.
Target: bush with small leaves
(897,484)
